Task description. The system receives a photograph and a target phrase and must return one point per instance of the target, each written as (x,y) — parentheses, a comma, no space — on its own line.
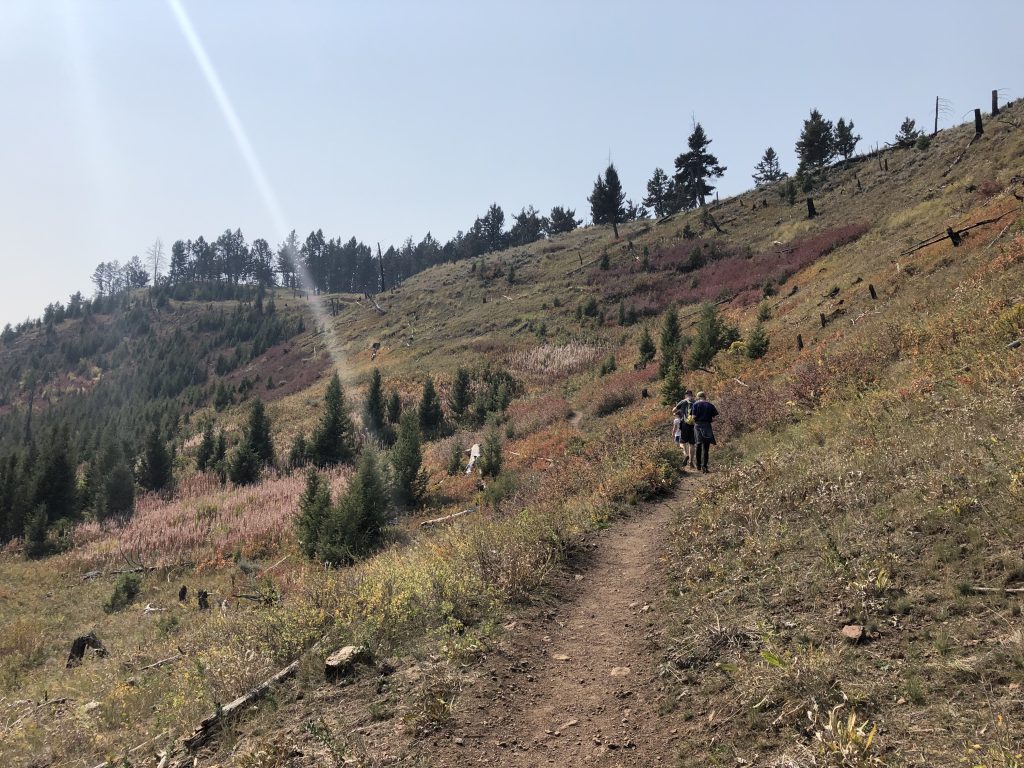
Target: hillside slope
(869,480)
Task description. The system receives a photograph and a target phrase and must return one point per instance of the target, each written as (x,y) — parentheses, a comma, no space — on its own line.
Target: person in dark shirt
(703,414)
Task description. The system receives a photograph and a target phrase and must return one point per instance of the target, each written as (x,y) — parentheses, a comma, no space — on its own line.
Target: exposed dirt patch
(578,683)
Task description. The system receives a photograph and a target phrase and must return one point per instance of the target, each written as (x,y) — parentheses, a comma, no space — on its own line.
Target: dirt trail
(579,685)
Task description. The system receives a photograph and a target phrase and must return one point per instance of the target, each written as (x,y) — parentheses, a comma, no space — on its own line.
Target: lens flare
(255,167)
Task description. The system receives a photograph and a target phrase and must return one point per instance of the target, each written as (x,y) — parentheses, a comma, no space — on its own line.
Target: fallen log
(961,155)
(953,234)
(162,662)
(208,726)
(446,518)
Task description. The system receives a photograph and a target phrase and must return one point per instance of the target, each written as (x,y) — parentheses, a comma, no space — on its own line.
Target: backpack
(688,419)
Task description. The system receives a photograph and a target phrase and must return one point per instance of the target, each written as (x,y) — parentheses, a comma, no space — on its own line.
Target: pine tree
(460,397)
(257,434)
(562,220)
(672,389)
(375,405)
(490,455)
(406,458)
(647,349)
(607,200)
(355,525)
(314,508)
(333,440)
(454,463)
(768,171)
(36,544)
(298,454)
(670,341)
(56,483)
(220,452)
(757,343)
(693,170)
(661,194)
(155,473)
(245,465)
(430,414)
(909,134)
(116,494)
(394,407)
(845,139)
(817,145)
(712,335)
(207,448)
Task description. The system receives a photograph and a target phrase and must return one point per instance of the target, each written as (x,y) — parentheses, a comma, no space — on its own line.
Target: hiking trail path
(577,683)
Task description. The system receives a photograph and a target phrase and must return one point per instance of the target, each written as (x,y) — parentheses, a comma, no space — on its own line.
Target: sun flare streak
(254,165)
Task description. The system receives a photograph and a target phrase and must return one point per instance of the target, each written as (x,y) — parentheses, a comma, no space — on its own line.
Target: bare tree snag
(978,129)
(799,342)
(871,290)
(811,212)
(935,130)
(995,102)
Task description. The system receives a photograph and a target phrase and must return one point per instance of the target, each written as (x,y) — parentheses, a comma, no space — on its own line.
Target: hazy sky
(385,120)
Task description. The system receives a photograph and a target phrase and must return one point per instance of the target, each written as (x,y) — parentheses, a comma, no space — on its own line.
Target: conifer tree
(430,414)
(817,145)
(36,532)
(490,460)
(672,390)
(670,341)
(608,199)
(257,434)
(298,453)
(333,440)
(406,458)
(909,134)
(562,220)
(845,139)
(757,343)
(646,348)
(355,525)
(245,466)
(394,407)
(661,194)
(220,452)
(55,484)
(116,494)
(207,448)
(375,405)
(314,508)
(155,472)
(768,171)
(694,168)
(712,335)
(460,398)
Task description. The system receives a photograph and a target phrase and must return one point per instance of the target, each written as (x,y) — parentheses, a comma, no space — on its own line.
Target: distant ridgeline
(103,376)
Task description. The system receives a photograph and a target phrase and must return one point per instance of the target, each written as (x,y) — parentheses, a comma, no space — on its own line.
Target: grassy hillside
(871,479)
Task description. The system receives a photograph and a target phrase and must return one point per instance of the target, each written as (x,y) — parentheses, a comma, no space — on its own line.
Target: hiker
(703,412)
(687,433)
(677,432)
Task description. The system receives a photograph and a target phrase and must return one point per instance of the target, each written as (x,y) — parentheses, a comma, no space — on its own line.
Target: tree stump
(871,290)
(811,212)
(79,646)
(799,342)
(954,236)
